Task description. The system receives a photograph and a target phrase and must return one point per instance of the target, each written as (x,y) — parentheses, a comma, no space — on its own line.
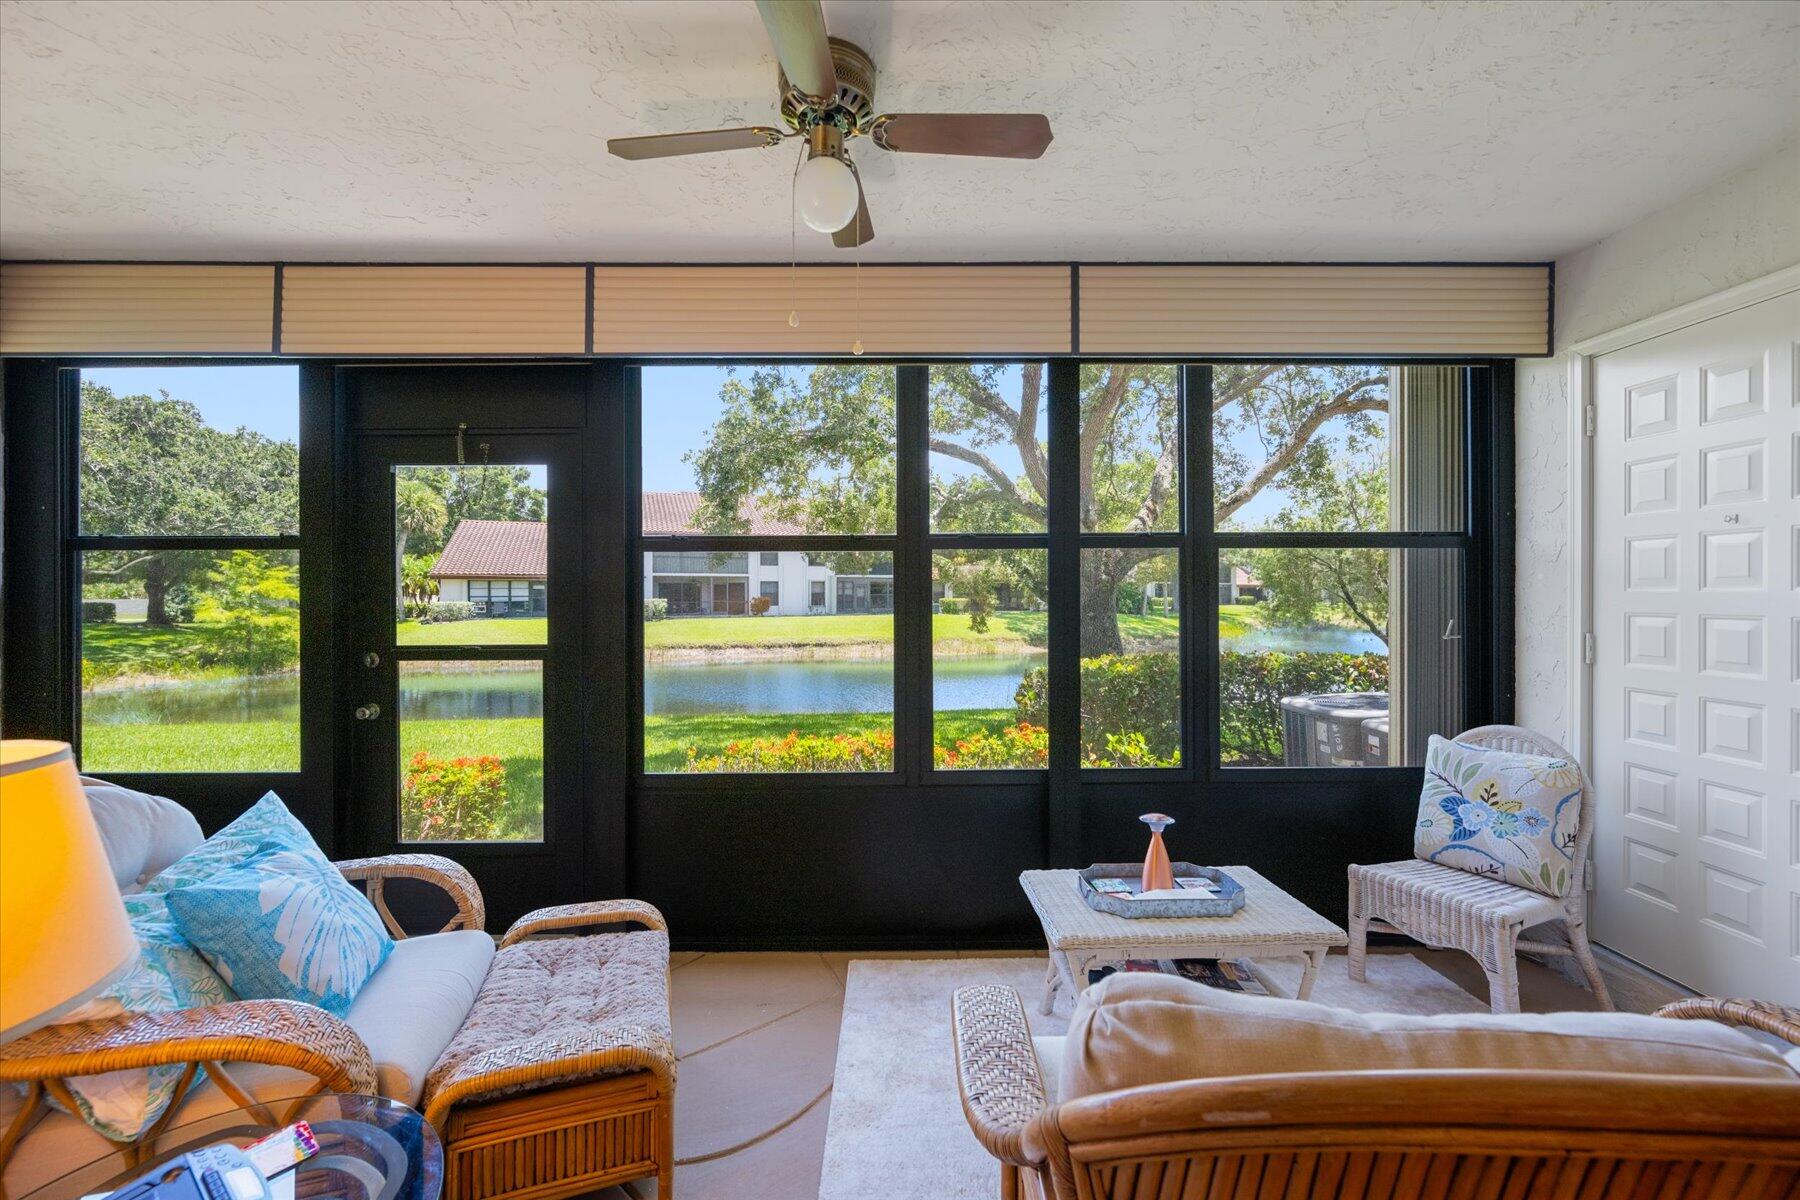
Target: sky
(261,397)
(680,403)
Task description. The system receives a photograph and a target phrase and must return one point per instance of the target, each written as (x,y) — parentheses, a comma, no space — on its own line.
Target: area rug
(897,1127)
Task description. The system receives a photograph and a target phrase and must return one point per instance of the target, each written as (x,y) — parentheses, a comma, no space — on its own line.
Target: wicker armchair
(1483,917)
(1363,1135)
(608,1093)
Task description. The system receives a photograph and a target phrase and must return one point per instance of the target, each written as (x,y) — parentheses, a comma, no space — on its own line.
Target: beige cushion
(142,833)
(1133,1029)
(1049,1052)
(406,1015)
(410,1009)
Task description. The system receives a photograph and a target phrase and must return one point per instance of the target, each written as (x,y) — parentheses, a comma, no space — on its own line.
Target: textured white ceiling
(476,131)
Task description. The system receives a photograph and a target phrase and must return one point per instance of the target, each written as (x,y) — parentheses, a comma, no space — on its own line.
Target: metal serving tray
(1229,900)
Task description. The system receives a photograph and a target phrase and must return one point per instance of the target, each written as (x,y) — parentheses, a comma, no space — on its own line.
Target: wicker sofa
(1614,1123)
(546,1064)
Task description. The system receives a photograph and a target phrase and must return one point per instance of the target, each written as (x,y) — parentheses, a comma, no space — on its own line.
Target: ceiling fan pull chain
(856,347)
(794,241)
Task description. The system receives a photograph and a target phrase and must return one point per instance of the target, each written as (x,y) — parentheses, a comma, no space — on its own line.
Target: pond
(670,688)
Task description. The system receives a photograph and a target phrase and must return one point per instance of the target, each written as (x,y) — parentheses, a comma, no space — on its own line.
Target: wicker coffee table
(1272,924)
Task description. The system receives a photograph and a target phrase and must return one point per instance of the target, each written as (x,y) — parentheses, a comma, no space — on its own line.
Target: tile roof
(673,513)
(493,549)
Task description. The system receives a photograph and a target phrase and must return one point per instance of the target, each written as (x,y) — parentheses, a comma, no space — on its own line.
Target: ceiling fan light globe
(826,193)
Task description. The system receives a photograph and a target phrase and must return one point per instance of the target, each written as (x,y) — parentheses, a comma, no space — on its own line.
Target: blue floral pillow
(1510,816)
(281,923)
(169,975)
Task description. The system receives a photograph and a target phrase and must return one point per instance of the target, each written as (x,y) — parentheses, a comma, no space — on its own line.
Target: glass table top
(369,1149)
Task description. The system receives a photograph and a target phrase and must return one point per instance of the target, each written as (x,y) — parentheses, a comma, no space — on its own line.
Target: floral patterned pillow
(280,923)
(169,975)
(1510,816)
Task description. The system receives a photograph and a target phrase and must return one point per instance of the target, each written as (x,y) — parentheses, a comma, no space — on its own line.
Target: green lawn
(490,631)
(275,745)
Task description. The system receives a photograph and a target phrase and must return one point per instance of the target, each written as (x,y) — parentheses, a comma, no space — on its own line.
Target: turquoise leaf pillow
(265,825)
(169,975)
(285,925)
(1513,817)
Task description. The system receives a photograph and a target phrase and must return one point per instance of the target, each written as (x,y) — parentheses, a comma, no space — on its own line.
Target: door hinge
(1590,420)
(1587,649)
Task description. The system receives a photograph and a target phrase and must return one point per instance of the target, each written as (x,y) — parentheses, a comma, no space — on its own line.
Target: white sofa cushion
(405,1014)
(142,833)
(410,1009)
(1133,1029)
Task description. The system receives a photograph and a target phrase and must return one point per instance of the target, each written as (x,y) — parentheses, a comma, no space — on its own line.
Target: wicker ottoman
(562,1080)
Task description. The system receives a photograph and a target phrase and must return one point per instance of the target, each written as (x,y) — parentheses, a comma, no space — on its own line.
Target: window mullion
(1200,604)
(912,575)
(1065,611)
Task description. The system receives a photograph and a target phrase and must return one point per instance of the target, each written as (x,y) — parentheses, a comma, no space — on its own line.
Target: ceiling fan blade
(797,27)
(986,135)
(859,230)
(667,145)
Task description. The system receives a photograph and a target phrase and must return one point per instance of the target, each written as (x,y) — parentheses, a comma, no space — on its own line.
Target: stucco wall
(1740,228)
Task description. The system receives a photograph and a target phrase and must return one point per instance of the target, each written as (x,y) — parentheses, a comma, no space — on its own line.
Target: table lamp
(64,936)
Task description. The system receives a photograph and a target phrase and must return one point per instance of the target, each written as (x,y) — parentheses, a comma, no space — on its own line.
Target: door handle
(367,712)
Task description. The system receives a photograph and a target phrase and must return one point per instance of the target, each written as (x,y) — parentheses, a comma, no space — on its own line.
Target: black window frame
(1478,393)
(77,545)
(1485,539)
(52,706)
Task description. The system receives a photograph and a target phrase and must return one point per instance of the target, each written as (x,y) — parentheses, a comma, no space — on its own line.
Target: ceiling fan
(827,89)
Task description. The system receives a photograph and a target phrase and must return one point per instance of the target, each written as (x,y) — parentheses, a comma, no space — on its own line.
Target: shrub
(950,606)
(800,752)
(1019,745)
(255,605)
(449,610)
(99,612)
(416,610)
(760,605)
(656,610)
(1133,697)
(1132,750)
(1131,715)
(456,799)
(1251,687)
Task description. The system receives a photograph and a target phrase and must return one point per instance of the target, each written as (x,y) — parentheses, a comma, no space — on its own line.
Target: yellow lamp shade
(64,936)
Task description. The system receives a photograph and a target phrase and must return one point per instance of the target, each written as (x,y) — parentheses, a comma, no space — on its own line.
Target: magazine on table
(1130,889)
(1227,974)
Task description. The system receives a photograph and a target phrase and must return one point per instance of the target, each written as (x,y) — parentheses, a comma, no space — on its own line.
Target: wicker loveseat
(1639,1131)
(547,1065)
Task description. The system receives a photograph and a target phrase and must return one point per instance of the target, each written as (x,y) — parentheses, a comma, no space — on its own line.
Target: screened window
(989,460)
(1340,568)
(190,658)
(797,688)
(1131,565)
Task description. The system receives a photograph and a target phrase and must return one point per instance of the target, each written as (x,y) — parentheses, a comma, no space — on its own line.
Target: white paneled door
(1696,677)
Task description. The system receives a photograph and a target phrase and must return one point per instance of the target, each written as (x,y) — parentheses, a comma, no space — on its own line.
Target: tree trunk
(156,592)
(1099,618)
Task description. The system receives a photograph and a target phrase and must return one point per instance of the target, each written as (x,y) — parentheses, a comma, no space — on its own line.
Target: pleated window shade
(972,310)
(1315,310)
(136,308)
(433,310)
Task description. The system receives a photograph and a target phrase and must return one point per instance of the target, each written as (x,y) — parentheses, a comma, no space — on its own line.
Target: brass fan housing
(851,109)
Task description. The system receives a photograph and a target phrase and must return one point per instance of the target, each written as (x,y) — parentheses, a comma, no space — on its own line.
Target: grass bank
(518,741)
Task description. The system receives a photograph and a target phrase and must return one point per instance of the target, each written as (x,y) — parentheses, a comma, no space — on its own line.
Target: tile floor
(757,1038)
